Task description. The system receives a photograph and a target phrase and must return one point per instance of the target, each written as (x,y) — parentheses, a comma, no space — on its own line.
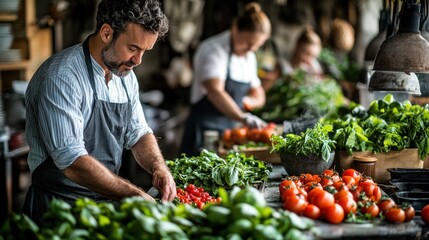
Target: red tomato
(343,193)
(352,173)
(323,199)
(328,172)
(356,191)
(253,134)
(312,185)
(296,180)
(295,203)
(289,192)
(226,135)
(303,192)
(385,204)
(326,181)
(395,215)
(376,194)
(285,184)
(312,211)
(348,204)
(409,212)
(239,135)
(334,213)
(339,185)
(317,178)
(368,187)
(265,135)
(200,205)
(349,181)
(312,193)
(192,189)
(227,139)
(425,214)
(305,178)
(371,208)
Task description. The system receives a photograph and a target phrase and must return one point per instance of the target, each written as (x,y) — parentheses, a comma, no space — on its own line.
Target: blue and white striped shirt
(59,102)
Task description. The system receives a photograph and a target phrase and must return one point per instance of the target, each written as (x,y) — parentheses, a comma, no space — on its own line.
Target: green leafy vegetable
(299,95)
(387,125)
(314,141)
(210,171)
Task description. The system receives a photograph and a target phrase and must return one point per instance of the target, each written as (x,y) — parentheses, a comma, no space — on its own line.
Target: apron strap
(89,65)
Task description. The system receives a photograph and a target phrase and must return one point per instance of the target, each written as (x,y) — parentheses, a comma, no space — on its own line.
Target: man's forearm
(225,104)
(92,174)
(148,155)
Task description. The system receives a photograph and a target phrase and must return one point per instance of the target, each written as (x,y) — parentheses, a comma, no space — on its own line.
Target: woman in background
(304,57)
(225,80)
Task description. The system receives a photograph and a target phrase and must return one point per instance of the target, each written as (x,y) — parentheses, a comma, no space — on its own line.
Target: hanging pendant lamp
(406,51)
(398,82)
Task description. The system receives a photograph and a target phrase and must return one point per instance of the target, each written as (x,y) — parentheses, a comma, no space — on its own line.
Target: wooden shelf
(8,17)
(10,66)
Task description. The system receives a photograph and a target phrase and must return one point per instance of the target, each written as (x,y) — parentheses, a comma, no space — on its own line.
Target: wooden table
(415,229)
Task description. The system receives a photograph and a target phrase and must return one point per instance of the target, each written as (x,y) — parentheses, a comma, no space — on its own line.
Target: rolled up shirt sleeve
(61,121)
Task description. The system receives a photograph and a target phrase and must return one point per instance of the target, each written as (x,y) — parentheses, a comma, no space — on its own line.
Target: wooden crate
(407,158)
(260,153)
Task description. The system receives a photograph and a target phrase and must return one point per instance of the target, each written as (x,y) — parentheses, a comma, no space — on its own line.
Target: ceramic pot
(297,164)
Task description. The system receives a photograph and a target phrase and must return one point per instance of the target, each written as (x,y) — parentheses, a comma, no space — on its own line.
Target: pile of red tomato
(425,214)
(195,196)
(335,198)
(242,135)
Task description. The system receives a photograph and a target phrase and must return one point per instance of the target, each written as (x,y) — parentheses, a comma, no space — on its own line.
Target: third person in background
(303,57)
(226,83)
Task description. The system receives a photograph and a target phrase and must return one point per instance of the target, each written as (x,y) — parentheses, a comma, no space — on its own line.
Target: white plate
(19,86)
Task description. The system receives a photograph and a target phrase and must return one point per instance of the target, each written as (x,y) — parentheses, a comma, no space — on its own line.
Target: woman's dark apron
(104,140)
(204,116)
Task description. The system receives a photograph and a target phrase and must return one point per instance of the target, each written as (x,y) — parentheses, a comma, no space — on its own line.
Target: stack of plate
(10,55)
(5,28)
(2,113)
(9,6)
(6,38)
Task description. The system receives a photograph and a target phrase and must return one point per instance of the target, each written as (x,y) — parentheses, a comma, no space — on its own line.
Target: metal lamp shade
(394,82)
(404,52)
(374,46)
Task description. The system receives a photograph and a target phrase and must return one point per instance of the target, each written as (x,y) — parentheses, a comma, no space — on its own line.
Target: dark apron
(104,140)
(204,116)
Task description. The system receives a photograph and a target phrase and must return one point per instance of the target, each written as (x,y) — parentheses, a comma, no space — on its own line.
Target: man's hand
(147,196)
(253,121)
(163,181)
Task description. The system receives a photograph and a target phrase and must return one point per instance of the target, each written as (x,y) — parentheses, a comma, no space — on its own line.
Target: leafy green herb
(210,171)
(299,95)
(314,141)
(387,125)
(137,218)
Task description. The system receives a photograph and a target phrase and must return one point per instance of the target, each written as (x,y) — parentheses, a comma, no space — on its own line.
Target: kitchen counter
(414,229)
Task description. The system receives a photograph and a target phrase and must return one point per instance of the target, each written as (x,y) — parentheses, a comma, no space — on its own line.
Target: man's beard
(108,55)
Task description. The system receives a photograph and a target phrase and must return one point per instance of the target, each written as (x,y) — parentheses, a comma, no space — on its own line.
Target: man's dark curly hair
(146,13)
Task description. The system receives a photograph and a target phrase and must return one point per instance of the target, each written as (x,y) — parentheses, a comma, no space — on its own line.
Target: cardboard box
(407,158)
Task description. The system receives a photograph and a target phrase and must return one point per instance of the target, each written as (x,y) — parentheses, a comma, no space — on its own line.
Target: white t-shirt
(211,60)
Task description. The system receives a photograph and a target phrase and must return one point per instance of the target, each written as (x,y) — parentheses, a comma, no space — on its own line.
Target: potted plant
(311,151)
